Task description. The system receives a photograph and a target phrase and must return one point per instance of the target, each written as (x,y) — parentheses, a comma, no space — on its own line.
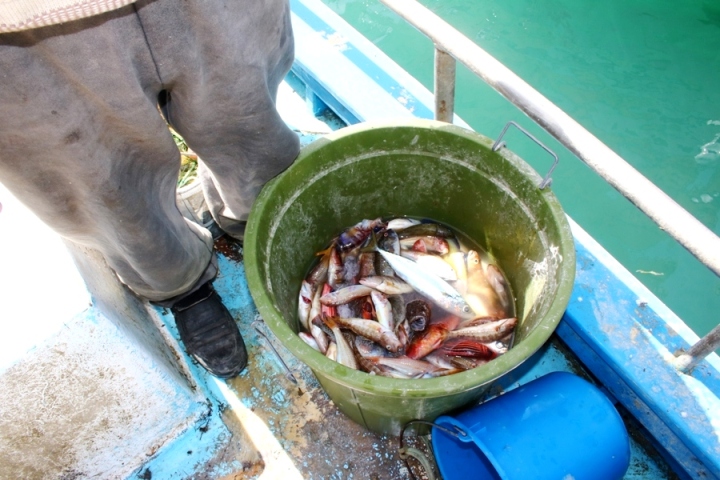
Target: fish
(426,244)
(389,241)
(488,331)
(367,309)
(397,302)
(433,287)
(321,338)
(331,352)
(368,303)
(345,355)
(336,274)
(418,315)
(357,234)
(383,310)
(370,329)
(408,367)
(457,261)
(367,348)
(319,273)
(467,363)
(305,303)
(404,333)
(351,266)
(307,338)
(382,267)
(467,347)
(316,306)
(427,342)
(387,285)
(426,230)
(368,365)
(432,264)
(480,294)
(366,262)
(325,309)
(440,360)
(345,294)
(497,281)
(401,223)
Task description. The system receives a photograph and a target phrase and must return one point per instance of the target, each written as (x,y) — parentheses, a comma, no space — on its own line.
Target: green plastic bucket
(421,169)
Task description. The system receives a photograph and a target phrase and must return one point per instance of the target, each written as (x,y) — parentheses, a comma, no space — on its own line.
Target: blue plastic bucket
(558,426)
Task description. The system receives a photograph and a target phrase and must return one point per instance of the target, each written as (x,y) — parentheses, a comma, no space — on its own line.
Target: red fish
(467,347)
(328,310)
(433,336)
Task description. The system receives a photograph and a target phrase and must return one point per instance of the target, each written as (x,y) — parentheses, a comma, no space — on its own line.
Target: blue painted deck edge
(627,338)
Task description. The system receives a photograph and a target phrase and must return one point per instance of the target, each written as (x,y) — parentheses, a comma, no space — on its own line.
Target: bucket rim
(413,388)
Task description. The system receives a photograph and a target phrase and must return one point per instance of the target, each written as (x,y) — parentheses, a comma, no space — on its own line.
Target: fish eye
(466,309)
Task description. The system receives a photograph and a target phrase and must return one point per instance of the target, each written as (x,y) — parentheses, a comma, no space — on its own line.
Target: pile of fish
(405,299)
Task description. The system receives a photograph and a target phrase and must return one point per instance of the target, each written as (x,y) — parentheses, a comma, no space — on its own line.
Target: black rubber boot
(209,332)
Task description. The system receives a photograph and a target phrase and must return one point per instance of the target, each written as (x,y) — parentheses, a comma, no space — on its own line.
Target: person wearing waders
(87,90)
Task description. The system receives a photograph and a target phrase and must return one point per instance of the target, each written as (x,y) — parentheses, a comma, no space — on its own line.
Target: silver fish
(389,241)
(345,295)
(408,366)
(315,306)
(305,303)
(319,335)
(345,355)
(307,338)
(331,352)
(426,229)
(319,272)
(383,310)
(457,261)
(486,332)
(432,264)
(432,286)
(367,348)
(496,279)
(401,223)
(386,284)
(372,330)
(398,309)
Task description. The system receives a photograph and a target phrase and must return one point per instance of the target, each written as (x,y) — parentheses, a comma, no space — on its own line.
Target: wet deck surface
(283,425)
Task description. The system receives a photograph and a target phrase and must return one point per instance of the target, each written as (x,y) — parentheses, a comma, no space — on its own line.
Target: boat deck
(284,425)
(163,413)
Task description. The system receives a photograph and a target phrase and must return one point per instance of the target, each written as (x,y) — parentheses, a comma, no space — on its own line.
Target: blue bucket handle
(468,438)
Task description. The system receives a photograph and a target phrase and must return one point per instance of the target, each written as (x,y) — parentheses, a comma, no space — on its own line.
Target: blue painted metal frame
(625,337)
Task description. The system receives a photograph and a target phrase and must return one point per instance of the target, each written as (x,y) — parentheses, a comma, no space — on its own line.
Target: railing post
(444,86)
(704,347)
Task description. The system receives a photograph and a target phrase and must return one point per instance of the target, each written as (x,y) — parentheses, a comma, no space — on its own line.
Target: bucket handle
(404,452)
(499,144)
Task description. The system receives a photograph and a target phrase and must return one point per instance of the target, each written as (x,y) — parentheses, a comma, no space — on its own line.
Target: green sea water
(641,75)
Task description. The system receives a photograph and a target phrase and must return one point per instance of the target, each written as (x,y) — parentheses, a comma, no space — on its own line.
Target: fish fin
(329,321)
(372,244)
(328,250)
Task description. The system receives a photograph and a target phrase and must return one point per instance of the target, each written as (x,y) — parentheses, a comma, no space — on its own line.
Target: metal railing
(451,45)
